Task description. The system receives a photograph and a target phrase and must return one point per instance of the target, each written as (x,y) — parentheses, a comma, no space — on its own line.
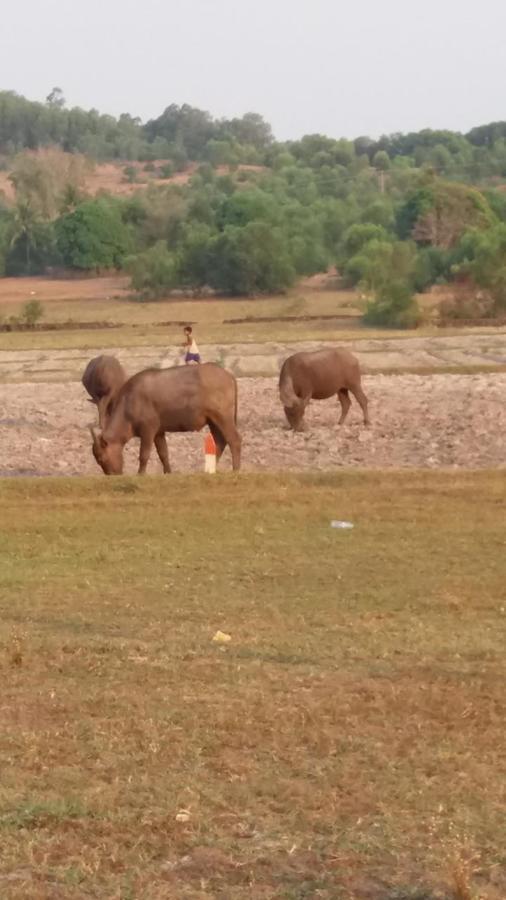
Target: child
(192,351)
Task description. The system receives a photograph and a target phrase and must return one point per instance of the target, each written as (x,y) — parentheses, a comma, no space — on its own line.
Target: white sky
(339,68)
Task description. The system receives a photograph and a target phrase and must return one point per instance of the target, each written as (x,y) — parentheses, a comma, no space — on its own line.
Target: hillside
(110,177)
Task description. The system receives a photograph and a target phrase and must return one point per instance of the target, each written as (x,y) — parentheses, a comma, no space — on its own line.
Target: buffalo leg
(300,410)
(362,400)
(234,441)
(227,434)
(145,450)
(163,452)
(344,399)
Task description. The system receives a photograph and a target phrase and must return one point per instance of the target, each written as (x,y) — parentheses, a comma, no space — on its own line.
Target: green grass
(346,743)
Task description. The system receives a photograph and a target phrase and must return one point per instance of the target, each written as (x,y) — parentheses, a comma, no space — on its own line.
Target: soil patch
(423,421)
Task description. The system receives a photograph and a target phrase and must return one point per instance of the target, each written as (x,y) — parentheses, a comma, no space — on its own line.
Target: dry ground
(418,421)
(84,303)
(100,312)
(346,744)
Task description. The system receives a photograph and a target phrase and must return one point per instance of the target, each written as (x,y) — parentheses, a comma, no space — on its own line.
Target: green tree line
(183,133)
(391,217)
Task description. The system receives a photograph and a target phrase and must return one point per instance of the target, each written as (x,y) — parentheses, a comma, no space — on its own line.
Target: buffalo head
(109,456)
(294,416)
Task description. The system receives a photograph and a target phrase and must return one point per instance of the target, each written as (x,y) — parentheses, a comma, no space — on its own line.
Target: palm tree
(23,227)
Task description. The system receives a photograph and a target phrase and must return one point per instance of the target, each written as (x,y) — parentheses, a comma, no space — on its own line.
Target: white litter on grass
(337,523)
(183,815)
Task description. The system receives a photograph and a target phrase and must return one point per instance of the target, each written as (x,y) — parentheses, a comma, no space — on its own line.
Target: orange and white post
(209,455)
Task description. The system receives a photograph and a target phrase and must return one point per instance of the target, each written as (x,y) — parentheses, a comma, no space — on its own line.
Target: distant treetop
(185,134)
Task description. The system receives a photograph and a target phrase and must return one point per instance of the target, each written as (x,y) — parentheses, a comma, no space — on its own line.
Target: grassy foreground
(345,743)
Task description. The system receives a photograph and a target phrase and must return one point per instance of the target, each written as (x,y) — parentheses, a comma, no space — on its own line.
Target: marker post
(209,455)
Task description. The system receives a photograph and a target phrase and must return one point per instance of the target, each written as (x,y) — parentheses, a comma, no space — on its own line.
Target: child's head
(188,329)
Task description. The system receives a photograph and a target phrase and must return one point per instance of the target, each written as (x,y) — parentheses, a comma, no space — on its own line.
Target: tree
(379,212)
(381,262)
(94,236)
(154,273)
(440,212)
(48,180)
(357,236)
(55,98)
(6,219)
(484,258)
(249,206)
(194,253)
(381,161)
(22,238)
(249,260)
(393,306)
(250,129)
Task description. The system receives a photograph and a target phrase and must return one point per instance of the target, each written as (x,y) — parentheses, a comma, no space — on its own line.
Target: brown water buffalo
(156,401)
(102,378)
(317,376)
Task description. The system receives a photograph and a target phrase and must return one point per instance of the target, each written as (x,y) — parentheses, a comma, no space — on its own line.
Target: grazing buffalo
(317,376)
(156,401)
(102,378)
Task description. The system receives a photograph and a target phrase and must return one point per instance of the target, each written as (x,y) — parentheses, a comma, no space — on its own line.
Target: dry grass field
(101,312)
(345,744)
(107,301)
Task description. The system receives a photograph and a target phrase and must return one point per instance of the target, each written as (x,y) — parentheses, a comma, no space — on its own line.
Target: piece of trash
(183,815)
(337,523)
(221,638)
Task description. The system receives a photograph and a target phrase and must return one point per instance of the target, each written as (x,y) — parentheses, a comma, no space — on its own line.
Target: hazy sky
(340,68)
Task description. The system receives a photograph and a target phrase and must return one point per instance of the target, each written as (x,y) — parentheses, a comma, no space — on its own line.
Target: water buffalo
(102,378)
(156,401)
(317,376)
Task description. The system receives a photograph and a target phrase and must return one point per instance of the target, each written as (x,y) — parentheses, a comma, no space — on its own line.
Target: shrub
(130,174)
(393,306)
(154,272)
(253,259)
(94,236)
(468,303)
(31,312)
(432,266)
(166,171)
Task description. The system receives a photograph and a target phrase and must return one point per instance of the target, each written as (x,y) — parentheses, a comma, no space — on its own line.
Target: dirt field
(424,421)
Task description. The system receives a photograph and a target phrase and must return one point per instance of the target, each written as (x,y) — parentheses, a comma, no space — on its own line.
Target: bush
(154,272)
(31,312)
(432,266)
(250,260)
(166,171)
(357,236)
(130,174)
(394,306)
(468,303)
(94,236)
